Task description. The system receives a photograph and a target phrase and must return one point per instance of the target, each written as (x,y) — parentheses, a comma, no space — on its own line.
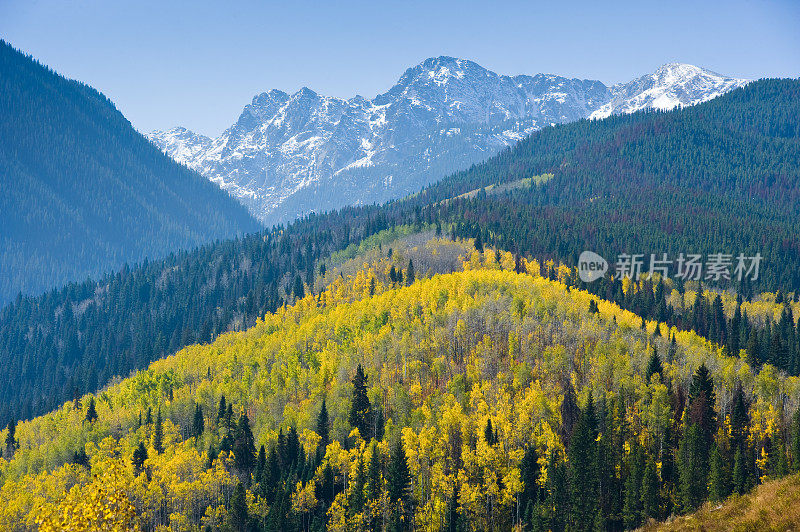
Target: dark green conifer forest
(83,192)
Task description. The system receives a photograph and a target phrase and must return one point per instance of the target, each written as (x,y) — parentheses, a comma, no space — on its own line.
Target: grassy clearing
(774,506)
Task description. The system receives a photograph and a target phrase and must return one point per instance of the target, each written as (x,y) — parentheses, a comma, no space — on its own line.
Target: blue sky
(198,63)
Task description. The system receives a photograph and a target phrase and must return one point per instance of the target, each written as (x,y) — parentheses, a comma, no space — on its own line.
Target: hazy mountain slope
(292,154)
(82,192)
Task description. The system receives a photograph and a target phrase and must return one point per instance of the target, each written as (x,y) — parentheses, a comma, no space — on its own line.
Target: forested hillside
(481,400)
(88,332)
(721,177)
(686,181)
(82,193)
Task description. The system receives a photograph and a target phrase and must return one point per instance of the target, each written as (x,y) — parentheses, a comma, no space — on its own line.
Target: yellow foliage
(444,356)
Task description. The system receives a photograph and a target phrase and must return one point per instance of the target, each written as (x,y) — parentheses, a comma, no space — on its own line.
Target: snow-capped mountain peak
(181,144)
(289,154)
(671,85)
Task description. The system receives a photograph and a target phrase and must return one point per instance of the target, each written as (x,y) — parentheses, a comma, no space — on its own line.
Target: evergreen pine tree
(693,468)
(740,418)
(355,503)
(740,481)
(297,289)
(702,403)
(374,482)
(399,489)
(360,410)
(260,473)
(529,473)
(719,479)
(239,520)
(244,448)
(673,349)
(795,447)
(650,492)
(733,336)
(139,457)
(410,275)
(583,478)
(557,507)
(633,497)
(158,434)
(777,464)
(11,441)
(488,433)
(91,411)
(654,365)
(222,410)
(453,521)
(212,455)
(380,424)
(323,428)
(753,348)
(198,424)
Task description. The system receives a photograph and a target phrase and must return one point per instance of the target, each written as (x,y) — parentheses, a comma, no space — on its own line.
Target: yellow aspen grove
(485,375)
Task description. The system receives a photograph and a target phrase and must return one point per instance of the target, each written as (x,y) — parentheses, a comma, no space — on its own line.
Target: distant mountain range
(288,155)
(82,193)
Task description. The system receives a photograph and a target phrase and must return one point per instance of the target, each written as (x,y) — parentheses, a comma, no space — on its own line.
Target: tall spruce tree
(740,481)
(654,365)
(244,448)
(633,497)
(557,507)
(410,275)
(356,499)
(360,409)
(238,516)
(795,446)
(702,404)
(323,427)
(375,482)
(198,423)
(693,456)
(158,434)
(222,410)
(399,489)
(719,477)
(651,503)
(379,427)
(139,457)
(11,441)
(529,473)
(583,478)
(91,411)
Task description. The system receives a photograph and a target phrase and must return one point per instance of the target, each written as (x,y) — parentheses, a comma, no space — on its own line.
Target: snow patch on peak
(180,143)
(671,85)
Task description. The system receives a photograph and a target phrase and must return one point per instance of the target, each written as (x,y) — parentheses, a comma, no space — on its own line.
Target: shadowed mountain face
(288,155)
(82,193)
